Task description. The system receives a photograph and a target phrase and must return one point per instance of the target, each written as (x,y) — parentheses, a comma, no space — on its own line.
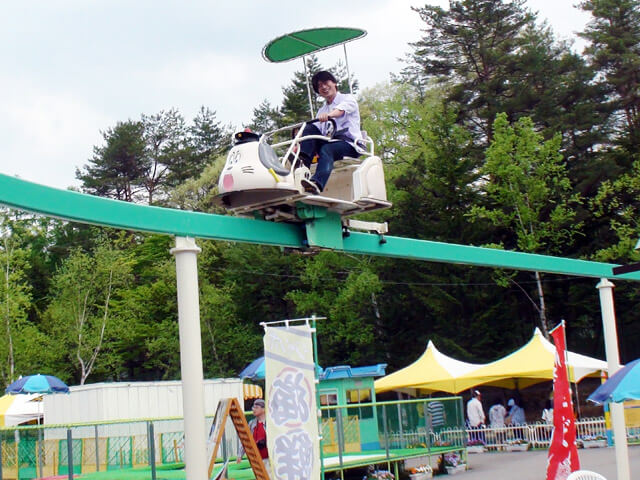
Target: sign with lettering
(292,422)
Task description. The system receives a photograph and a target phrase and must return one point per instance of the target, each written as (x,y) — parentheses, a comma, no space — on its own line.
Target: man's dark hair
(322,76)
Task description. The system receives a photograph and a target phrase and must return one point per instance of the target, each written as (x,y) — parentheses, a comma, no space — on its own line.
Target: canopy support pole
(306,78)
(605,288)
(346,61)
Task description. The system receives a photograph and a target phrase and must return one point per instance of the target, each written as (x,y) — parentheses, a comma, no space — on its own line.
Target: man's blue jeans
(328,152)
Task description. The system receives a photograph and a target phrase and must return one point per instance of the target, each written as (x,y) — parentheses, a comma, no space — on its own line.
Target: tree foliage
(529,193)
(614,52)
(81,310)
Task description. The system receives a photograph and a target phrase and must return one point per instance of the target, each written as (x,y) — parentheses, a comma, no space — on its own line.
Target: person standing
(258,427)
(497,414)
(475,416)
(516,413)
(547,418)
(438,415)
(516,418)
(547,413)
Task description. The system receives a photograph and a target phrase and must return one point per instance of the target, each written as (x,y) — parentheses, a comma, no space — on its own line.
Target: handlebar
(330,131)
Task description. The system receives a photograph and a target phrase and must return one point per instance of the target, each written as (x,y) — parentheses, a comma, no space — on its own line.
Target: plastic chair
(585,475)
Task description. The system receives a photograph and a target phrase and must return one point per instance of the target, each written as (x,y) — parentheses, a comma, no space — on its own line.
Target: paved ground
(532,465)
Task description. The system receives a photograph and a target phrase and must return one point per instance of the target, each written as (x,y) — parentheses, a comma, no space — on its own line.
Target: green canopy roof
(304,42)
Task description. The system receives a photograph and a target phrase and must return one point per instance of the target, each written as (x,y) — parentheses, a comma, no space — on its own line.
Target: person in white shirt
(497,414)
(475,416)
(475,412)
(343,109)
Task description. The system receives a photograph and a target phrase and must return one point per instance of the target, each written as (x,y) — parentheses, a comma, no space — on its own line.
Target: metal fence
(28,452)
(396,425)
(41,451)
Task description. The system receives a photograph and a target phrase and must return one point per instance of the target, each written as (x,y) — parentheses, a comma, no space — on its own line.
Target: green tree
(528,194)
(614,52)
(165,143)
(15,296)
(617,203)
(472,46)
(117,167)
(208,138)
(80,312)
(432,167)
(265,117)
(345,291)
(493,58)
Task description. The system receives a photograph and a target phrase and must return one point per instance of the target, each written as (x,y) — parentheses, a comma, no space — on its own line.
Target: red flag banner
(563,453)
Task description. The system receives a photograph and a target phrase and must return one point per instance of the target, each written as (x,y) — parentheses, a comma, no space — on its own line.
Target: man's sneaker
(310,186)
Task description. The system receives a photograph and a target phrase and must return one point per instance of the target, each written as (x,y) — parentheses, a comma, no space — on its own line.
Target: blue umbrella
(38,384)
(623,385)
(254,371)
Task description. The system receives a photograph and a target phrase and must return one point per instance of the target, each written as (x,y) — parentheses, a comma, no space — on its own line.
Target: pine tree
(117,168)
(265,117)
(472,47)
(614,52)
(493,58)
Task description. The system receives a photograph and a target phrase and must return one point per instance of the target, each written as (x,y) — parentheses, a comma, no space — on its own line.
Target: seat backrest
(585,475)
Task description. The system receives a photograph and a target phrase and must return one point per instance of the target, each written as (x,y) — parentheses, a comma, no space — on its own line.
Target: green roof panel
(296,44)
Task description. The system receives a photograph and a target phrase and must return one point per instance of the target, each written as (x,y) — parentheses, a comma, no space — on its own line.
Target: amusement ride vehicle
(262,176)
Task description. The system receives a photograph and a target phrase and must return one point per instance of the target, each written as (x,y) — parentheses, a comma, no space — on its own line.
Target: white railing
(538,435)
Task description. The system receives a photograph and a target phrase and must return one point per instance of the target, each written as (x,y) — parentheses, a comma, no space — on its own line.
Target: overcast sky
(73,68)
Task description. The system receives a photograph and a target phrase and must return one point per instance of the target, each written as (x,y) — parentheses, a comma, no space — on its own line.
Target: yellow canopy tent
(432,372)
(18,409)
(533,363)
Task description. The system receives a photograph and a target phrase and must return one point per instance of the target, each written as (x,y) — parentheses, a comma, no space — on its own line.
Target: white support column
(195,447)
(605,288)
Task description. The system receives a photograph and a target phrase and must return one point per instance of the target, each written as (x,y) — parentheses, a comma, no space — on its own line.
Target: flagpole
(570,373)
(562,449)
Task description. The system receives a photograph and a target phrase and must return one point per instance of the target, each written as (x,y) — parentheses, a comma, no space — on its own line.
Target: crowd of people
(499,415)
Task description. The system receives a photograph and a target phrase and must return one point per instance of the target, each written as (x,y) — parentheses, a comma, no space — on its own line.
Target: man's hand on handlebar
(323,117)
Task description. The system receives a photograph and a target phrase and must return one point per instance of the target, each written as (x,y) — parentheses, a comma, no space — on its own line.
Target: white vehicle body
(256,179)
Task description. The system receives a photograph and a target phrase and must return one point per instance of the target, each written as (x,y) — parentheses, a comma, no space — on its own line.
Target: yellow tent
(18,409)
(533,363)
(432,372)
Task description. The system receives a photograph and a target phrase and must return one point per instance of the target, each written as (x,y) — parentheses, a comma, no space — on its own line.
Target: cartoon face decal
(233,158)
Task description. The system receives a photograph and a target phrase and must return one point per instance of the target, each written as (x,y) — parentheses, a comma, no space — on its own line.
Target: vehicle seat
(269,158)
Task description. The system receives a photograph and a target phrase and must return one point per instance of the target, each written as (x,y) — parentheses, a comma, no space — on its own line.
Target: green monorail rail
(78,207)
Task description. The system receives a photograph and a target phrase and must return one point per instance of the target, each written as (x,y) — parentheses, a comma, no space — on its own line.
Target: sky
(74,68)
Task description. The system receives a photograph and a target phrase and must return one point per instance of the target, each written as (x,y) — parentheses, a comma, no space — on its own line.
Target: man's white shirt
(349,121)
(475,413)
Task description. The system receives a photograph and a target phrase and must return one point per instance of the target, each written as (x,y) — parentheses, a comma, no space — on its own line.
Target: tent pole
(306,79)
(571,376)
